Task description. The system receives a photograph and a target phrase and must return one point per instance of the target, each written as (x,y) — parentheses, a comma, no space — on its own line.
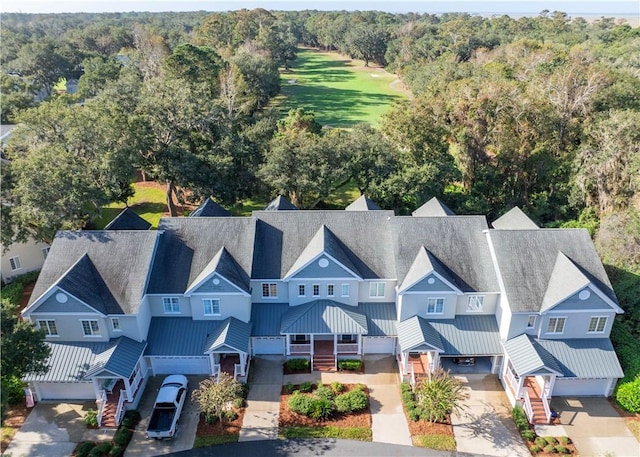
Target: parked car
(168,407)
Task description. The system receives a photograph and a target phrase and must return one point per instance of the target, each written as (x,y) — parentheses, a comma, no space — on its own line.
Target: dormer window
(531,321)
(556,324)
(211,306)
(435,305)
(376,289)
(597,324)
(475,304)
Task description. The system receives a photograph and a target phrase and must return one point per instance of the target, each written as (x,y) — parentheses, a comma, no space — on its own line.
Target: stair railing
(528,409)
(102,401)
(120,410)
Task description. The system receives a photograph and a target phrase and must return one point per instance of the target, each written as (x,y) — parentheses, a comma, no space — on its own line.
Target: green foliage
(562,450)
(130,419)
(350,365)
(439,396)
(297,364)
(321,408)
(229,415)
(337,386)
(301,404)
(550,449)
(535,449)
(13,292)
(83,449)
(541,441)
(214,396)
(116,451)
(439,442)
(306,386)
(12,389)
(101,450)
(551,440)
(91,418)
(347,433)
(528,435)
(564,440)
(289,388)
(122,436)
(238,402)
(324,392)
(355,400)
(213,440)
(628,395)
(520,418)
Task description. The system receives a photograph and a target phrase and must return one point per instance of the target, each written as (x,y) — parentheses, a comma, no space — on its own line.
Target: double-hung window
(211,306)
(597,324)
(345,290)
(556,324)
(301,291)
(171,305)
(49,327)
(475,304)
(435,305)
(531,321)
(15,263)
(329,290)
(115,324)
(90,328)
(269,289)
(376,289)
(316,290)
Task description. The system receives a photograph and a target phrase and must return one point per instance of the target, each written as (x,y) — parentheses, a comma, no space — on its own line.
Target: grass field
(148,202)
(341,92)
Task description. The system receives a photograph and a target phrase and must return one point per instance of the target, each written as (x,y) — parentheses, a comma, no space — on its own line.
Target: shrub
(520,418)
(13,292)
(301,404)
(564,440)
(212,418)
(132,417)
(356,400)
(562,450)
(350,364)
(541,441)
(550,449)
(414,414)
(91,418)
(297,364)
(628,395)
(238,402)
(321,408)
(306,387)
(83,449)
(229,415)
(528,435)
(551,440)
(439,395)
(116,451)
(289,388)
(325,393)
(100,450)
(337,386)
(13,389)
(535,449)
(122,437)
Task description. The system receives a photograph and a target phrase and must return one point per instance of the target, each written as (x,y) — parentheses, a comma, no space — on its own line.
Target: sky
(513,7)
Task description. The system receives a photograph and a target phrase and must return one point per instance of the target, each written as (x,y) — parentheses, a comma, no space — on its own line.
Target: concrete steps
(325,363)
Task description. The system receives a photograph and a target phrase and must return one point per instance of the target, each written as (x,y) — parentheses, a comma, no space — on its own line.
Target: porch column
(518,393)
(311,341)
(359,339)
(436,360)
(243,362)
(212,362)
(405,364)
(335,344)
(552,382)
(288,339)
(127,387)
(97,387)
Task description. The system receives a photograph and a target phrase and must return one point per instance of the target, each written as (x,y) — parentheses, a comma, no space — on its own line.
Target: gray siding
(314,270)
(389,291)
(157,309)
(416,305)
(489,304)
(518,325)
(223,285)
(295,299)
(573,303)
(256,291)
(576,325)
(72,305)
(128,327)
(424,286)
(236,305)
(70,328)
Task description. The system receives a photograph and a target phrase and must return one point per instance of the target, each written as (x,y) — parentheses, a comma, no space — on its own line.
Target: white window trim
(596,331)
(171,301)
(113,327)
(478,299)
(342,289)
(555,332)
(315,290)
(14,263)
(435,299)
(303,289)
(269,285)
(210,301)
(376,293)
(91,335)
(47,328)
(331,290)
(535,320)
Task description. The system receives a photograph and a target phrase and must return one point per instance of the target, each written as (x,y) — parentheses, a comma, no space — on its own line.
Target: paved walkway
(595,427)
(485,426)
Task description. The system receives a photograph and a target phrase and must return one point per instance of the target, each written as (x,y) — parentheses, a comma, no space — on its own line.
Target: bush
(131,418)
(229,415)
(562,450)
(535,449)
(83,449)
(350,364)
(337,386)
(628,395)
(212,419)
(414,414)
(564,440)
(439,395)
(13,292)
(116,451)
(353,401)
(325,393)
(541,441)
(13,389)
(297,364)
(238,403)
(289,388)
(122,437)
(528,435)
(301,404)
(100,450)
(306,387)
(551,440)
(321,408)
(91,418)
(550,449)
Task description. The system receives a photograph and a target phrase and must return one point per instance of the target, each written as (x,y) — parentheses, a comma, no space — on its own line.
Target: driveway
(485,425)
(187,425)
(54,430)
(595,427)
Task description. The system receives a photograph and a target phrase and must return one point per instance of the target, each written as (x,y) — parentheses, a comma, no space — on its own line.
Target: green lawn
(341,92)
(348,433)
(148,203)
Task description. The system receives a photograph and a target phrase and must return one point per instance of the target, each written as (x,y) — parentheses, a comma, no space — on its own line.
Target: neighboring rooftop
(280,203)
(514,219)
(363,203)
(209,208)
(128,220)
(433,208)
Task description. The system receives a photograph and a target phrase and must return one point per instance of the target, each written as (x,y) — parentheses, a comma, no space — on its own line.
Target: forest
(540,112)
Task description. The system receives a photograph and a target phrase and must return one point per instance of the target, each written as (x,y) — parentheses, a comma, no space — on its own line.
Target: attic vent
(584,294)
(61,298)
(323,263)
(431,280)
(216,281)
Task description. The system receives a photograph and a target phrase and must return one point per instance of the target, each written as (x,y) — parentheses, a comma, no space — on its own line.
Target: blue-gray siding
(424,286)
(573,303)
(208,287)
(51,305)
(333,270)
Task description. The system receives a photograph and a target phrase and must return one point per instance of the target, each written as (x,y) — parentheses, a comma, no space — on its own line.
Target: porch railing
(102,401)
(300,348)
(347,347)
(216,371)
(413,375)
(237,371)
(121,410)
(513,383)
(527,405)
(545,405)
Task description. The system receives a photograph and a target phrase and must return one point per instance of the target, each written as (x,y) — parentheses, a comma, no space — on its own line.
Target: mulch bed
(422,427)
(219,429)
(571,447)
(289,418)
(15,416)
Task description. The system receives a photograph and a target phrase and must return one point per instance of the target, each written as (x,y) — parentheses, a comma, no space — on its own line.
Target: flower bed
(228,431)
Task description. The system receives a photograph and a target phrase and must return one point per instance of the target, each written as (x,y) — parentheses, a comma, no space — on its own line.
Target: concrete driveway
(54,430)
(485,425)
(187,425)
(595,427)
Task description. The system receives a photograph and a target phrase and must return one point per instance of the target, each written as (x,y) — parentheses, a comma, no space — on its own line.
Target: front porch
(235,364)
(324,351)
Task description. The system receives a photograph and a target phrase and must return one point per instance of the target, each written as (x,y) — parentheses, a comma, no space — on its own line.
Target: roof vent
(584,294)
(61,298)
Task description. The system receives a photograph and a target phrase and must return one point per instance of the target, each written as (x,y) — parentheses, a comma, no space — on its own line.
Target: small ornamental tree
(439,396)
(214,397)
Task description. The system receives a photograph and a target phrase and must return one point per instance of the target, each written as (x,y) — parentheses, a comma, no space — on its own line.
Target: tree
(17,95)
(195,65)
(369,43)
(280,42)
(439,395)
(97,73)
(260,74)
(214,396)
(42,61)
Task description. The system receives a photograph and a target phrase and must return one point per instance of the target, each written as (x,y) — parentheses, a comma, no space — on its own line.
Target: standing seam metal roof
(528,357)
(415,332)
(469,335)
(232,333)
(324,316)
(120,358)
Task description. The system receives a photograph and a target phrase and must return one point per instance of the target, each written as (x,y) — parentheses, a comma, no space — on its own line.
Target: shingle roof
(232,333)
(266,318)
(416,333)
(433,208)
(324,241)
(458,242)
(323,316)
(514,219)
(179,336)
(121,258)
(280,203)
(119,359)
(585,358)
(188,245)
(469,335)
(209,208)
(281,237)
(363,203)
(226,266)
(527,258)
(424,264)
(566,279)
(128,220)
(528,357)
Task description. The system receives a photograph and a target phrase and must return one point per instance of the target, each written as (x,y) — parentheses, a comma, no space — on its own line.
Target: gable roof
(128,220)
(528,357)
(566,280)
(433,208)
(457,242)
(69,362)
(188,244)
(425,264)
(363,203)
(209,208)
(226,266)
(231,334)
(119,359)
(417,333)
(527,258)
(280,203)
(120,258)
(514,219)
(282,236)
(324,316)
(324,241)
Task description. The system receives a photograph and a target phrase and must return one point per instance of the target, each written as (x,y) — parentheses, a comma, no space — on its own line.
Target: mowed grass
(341,92)
(147,202)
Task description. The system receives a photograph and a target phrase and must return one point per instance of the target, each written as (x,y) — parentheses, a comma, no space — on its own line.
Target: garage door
(268,345)
(180,365)
(379,345)
(572,387)
(66,391)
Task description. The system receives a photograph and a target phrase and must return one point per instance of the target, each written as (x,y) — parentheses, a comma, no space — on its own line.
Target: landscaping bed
(541,446)
(15,416)
(220,432)
(115,447)
(296,366)
(352,425)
